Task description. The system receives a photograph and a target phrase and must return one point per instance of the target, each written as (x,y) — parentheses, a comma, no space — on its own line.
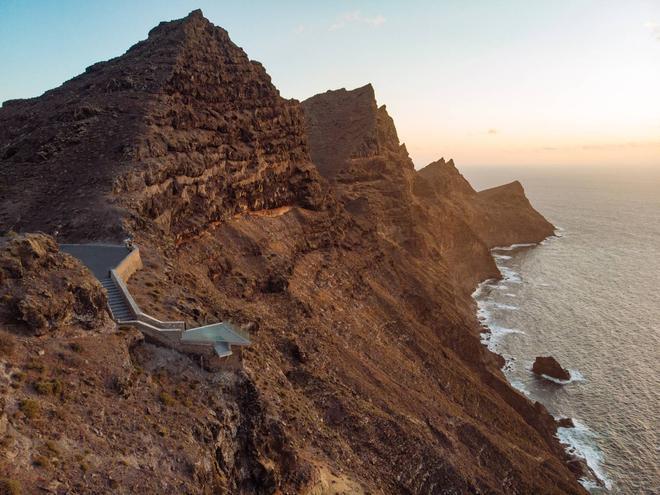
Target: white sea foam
(510,276)
(510,307)
(497,305)
(496,333)
(509,294)
(501,331)
(512,247)
(501,257)
(520,387)
(581,442)
(576,376)
(486,283)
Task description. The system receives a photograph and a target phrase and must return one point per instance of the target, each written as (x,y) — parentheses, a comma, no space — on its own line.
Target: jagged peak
(182,28)
(435,165)
(364,93)
(514,187)
(348,124)
(444,177)
(441,166)
(197,13)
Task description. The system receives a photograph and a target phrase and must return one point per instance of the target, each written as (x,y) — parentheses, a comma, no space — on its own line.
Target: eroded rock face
(365,358)
(182,130)
(547,365)
(220,140)
(46,290)
(499,216)
(354,143)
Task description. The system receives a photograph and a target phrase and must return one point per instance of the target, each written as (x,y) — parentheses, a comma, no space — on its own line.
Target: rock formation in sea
(548,366)
(306,223)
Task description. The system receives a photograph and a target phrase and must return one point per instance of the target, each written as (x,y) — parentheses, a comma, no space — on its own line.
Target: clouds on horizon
(655,29)
(356,17)
(604,147)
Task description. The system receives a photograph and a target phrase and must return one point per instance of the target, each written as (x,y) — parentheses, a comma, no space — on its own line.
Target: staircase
(219,335)
(120,310)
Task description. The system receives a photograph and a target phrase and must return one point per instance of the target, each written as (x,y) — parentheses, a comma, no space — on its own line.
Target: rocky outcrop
(500,216)
(509,218)
(354,143)
(441,180)
(548,366)
(365,368)
(183,130)
(43,290)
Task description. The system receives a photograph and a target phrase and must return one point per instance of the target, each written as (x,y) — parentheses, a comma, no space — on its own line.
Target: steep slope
(366,372)
(355,145)
(499,216)
(183,130)
(517,221)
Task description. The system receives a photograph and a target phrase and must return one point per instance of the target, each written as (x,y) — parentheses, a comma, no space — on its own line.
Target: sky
(490,82)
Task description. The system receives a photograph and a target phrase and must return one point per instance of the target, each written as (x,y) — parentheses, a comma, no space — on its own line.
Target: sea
(590,297)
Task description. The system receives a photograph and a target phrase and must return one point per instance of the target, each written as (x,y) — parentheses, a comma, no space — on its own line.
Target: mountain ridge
(366,369)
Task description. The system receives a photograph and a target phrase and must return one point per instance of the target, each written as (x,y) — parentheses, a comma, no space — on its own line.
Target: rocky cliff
(182,130)
(366,374)
(500,216)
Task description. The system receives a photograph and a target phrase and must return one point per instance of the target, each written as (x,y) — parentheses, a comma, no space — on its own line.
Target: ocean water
(590,297)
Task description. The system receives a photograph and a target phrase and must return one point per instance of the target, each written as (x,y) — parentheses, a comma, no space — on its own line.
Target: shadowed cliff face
(366,373)
(182,130)
(499,216)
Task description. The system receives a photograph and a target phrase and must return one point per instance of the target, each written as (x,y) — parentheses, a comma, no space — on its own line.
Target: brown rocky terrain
(44,290)
(307,223)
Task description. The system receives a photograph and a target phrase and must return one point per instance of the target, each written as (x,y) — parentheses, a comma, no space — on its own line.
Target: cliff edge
(352,271)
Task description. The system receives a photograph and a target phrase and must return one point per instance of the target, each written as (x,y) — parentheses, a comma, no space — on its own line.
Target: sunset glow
(570,82)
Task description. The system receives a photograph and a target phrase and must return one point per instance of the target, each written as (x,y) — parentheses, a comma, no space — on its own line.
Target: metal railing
(139,314)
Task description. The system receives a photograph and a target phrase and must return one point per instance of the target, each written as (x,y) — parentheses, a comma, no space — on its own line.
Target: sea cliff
(306,223)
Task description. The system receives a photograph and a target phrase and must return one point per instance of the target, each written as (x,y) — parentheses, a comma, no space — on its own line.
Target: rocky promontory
(548,366)
(308,224)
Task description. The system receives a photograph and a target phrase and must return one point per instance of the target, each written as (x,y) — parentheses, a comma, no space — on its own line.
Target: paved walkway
(99,258)
(102,259)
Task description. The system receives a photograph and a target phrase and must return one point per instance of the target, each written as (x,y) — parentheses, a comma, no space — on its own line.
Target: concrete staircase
(220,336)
(112,265)
(119,308)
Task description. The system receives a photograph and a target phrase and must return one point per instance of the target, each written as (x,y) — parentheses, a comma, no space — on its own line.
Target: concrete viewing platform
(113,265)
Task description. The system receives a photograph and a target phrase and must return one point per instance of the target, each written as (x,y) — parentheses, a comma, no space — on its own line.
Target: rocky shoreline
(546,368)
(306,222)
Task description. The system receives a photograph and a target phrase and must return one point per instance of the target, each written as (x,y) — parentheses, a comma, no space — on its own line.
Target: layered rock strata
(366,372)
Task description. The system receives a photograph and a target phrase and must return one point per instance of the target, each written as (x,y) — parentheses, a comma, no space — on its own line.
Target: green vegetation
(166,399)
(9,486)
(30,408)
(52,447)
(48,387)
(183,398)
(35,366)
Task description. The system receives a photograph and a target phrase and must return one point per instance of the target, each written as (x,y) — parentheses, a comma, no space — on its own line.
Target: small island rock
(565,423)
(547,365)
